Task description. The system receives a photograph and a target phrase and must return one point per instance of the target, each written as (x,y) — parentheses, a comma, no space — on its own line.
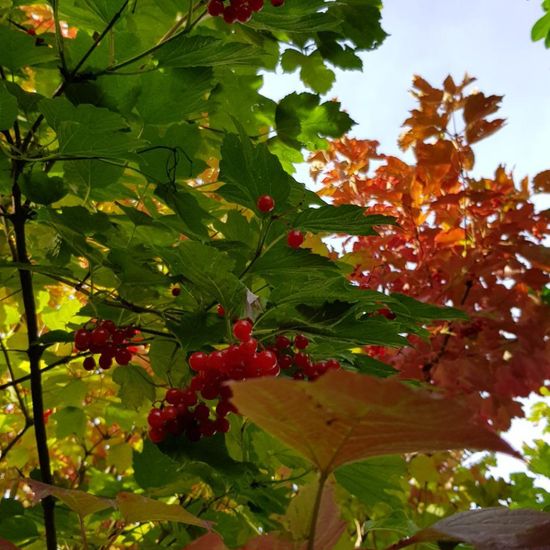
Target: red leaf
(541,182)
(480,129)
(478,106)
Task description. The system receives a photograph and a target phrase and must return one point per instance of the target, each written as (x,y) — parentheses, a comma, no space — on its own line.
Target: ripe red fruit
(244,13)
(108,325)
(169,413)
(123,356)
(189,397)
(220,311)
(215,361)
(277,3)
(282,342)
(242,330)
(256,5)
(265,361)
(265,203)
(176,291)
(105,361)
(208,428)
(210,392)
(215,8)
(387,313)
(82,339)
(229,14)
(157,435)
(295,238)
(155,418)
(99,336)
(285,361)
(222,425)
(300,341)
(174,396)
(202,412)
(332,364)
(198,361)
(89,363)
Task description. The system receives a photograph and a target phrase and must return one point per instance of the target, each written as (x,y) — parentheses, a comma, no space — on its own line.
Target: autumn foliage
(472,242)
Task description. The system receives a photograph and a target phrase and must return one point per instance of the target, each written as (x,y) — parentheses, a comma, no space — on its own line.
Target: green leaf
(541,28)
(207,51)
(249,171)
(86,130)
(302,119)
(86,178)
(152,468)
(209,271)
(18,49)
(41,188)
(136,386)
(314,73)
(164,355)
(8,108)
(347,218)
(426,312)
(70,421)
(170,96)
(374,480)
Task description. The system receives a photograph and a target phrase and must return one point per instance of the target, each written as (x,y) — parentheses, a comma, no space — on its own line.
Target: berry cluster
(107,340)
(238,10)
(186,411)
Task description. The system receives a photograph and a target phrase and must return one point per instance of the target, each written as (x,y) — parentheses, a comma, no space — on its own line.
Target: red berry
(248,348)
(210,392)
(223,408)
(157,435)
(298,376)
(189,397)
(176,291)
(302,360)
(277,3)
(295,238)
(265,203)
(108,325)
(215,8)
(155,418)
(197,383)
(332,364)
(208,428)
(198,361)
(244,13)
(301,342)
(220,311)
(222,425)
(105,361)
(226,392)
(265,361)
(99,336)
(89,363)
(174,396)
(387,313)
(229,14)
(242,330)
(123,356)
(256,5)
(202,412)
(169,413)
(285,361)
(31,32)
(82,339)
(215,361)
(282,342)
(118,336)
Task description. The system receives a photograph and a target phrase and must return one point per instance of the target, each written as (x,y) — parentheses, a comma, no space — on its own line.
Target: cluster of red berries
(186,411)
(107,340)
(238,10)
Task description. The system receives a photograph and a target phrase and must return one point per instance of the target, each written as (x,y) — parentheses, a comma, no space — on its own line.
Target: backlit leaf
(344,417)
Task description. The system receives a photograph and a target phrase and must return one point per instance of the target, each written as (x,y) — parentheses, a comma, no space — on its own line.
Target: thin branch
(59,35)
(22,404)
(316,508)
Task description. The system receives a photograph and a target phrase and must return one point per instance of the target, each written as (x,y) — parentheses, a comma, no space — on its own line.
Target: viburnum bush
(183,363)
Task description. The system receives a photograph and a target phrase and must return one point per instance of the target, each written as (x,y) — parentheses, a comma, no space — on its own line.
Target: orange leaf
(344,417)
(452,237)
(478,106)
(480,129)
(541,182)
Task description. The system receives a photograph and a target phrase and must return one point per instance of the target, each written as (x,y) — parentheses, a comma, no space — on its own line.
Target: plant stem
(34,353)
(315,514)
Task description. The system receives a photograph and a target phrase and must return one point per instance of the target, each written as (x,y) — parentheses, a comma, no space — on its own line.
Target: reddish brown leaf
(7,545)
(493,529)
(480,129)
(541,182)
(344,417)
(478,106)
(271,542)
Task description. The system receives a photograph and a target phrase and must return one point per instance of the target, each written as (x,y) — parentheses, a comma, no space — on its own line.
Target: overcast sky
(489,39)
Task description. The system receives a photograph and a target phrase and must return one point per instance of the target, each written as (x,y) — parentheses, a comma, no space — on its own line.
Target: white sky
(489,39)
